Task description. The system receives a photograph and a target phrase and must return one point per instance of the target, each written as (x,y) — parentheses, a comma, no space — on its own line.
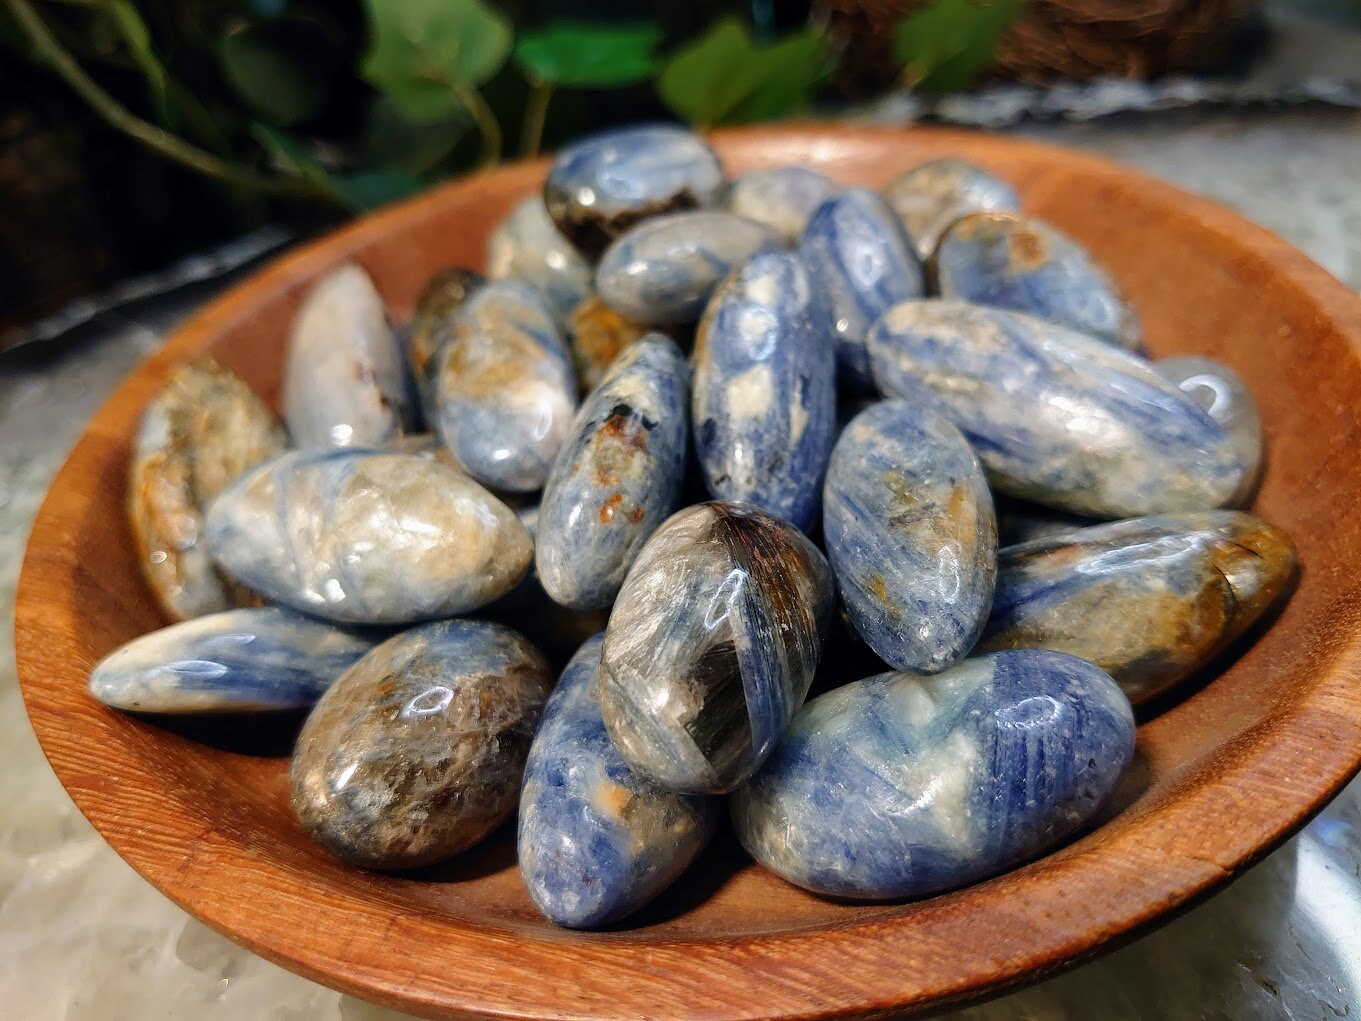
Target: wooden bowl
(1220,779)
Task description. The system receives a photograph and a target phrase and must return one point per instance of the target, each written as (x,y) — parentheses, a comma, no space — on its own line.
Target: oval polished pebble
(782,197)
(861,260)
(712,645)
(432,324)
(252,660)
(597,334)
(618,478)
(196,436)
(928,198)
(596,841)
(1149,600)
(1008,261)
(1225,398)
(417,751)
(505,393)
(528,247)
(664,269)
(345,382)
(1055,416)
(903,786)
(910,534)
(602,185)
(765,389)
(368,537)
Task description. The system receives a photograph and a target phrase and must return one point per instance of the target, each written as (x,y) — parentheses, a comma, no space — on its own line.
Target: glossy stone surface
(618,478)
(782,197)
(602,185)
(765,390)
(505,392)
(712,644)
(417,751)
(1226,399)
(862,262)
(529,248)
(1014,262)
(596,841)
(345,382)
(664,270)
(196,436)
(928,198)
(596,335)
(252,660)
(1149,600)
(1055,416)
(432,325)
(367,537)
(903,786)
(909,530)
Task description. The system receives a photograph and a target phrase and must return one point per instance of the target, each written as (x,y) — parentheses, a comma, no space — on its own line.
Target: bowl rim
(929,957)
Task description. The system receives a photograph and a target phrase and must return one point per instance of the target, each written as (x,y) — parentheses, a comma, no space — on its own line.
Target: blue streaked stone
(903,786)
(928,198)
(526,246)
(783,197)
(1226,399)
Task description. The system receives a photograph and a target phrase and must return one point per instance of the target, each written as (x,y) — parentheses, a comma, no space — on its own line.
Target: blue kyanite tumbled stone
(910,535)
(861,260)
(1056,416)
(528,247)
(1013,262)
(600,186)
(663,270)
(928,198)
(903,786)
(783,197)
(596,841)
(765,389)
(432,325)
(1226,399)
(618,477)
(249,660)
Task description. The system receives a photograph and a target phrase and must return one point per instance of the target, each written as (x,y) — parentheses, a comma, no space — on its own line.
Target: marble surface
(83,938)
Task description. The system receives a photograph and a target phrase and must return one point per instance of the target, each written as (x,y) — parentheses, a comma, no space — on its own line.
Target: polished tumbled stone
(251,660)
(345,380)
(782,197)
(765,389)
(862,262)
(417,752)
(1055,416)
(1226,399)
(664,269)
(432,325)
(505,391)
(367,537)
(597,335)
(910,534)
(196,436)
(601,186)
(596,841)
(712,645)
(526,246)
(1149,600)
(618,478)
(928,198)
(1008,261)
(903,786)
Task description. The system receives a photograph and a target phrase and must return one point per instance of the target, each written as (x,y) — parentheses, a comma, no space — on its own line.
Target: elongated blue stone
(1225,398)
(526,246)
(765,389)
(663,270)
(367,537)
(910,535)
(505,390)
(596,841)
(1013,262)
(602,185)
(903,786)
(432,326)
(1149,600)
(1055,416)
(618,478)
(928,198)
(712,645)
(783,197)
(251,660)
(861,260)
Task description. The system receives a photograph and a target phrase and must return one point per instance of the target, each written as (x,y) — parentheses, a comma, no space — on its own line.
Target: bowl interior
(1220,777)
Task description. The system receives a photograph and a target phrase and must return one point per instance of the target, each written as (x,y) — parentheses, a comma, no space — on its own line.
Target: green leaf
(945,46)
(387,139)
(283,69)
(137,38)
(587,56)
(367,189)
(425,51)
(290,154)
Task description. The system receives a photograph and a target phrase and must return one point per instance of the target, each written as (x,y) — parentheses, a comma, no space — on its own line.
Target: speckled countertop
(83,937)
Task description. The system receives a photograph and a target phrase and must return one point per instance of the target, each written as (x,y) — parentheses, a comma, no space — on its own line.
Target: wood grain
(1220,779)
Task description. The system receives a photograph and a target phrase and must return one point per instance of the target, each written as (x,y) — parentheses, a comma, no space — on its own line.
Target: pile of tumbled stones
(707,435)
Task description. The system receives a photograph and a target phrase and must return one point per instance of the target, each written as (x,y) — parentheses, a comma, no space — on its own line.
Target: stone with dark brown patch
(597,334)
(432,325)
